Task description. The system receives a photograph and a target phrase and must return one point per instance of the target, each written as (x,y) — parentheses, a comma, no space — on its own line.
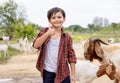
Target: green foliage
(75,28)
(9,15)
(92,31)
(21,31)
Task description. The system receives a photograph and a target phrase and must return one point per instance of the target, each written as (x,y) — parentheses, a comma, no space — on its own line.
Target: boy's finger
(50,26)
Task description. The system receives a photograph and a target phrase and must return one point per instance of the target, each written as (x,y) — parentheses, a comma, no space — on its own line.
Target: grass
(78,38)
(104,37)
(11,52)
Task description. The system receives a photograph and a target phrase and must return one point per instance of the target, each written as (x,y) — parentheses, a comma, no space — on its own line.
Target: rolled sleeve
(71,53)
(42,31)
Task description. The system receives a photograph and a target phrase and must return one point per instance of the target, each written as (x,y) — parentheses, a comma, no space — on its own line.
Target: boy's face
(57,20)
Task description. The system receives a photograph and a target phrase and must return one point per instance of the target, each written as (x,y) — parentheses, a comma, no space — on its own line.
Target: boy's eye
(59,16)
(53,17)
(56,17)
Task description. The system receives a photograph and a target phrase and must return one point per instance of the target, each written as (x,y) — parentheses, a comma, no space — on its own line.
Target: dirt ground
(21,69)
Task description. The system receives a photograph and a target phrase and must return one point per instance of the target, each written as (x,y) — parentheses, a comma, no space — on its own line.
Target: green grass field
(104,37)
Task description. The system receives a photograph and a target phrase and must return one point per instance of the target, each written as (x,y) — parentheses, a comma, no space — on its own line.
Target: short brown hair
(54,11)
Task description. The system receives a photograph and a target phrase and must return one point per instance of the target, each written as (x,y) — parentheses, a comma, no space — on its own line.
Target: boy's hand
(51,31)
(73,79)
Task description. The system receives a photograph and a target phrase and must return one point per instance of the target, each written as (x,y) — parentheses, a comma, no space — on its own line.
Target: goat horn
(112,63)
(96,39)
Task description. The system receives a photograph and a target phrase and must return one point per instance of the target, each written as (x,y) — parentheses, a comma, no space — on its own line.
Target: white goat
(4,49)
(6,39)
(24,45)
(111,41)
(96,49)
(86,72)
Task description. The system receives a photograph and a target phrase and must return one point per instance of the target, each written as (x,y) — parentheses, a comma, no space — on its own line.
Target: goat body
(24,44)
(4,48)
(86,71)
(105,53)
(6,39)
(112,52)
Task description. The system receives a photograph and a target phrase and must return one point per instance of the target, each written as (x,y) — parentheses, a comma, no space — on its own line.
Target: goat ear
(86,44)
(98,49)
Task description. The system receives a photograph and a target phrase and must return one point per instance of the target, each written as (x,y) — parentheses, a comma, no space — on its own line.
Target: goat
(6,39)
(103,52)
(4,49)
(24,45)
(86,72)
(111,41)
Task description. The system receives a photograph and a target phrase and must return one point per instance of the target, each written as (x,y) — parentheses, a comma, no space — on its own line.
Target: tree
(98,21)
(9,15)
(75,28)
(90,26)
(118,27)
(106,22)
(114,25)
(21,31)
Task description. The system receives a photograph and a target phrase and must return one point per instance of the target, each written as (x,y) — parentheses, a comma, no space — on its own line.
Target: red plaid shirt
(66,54)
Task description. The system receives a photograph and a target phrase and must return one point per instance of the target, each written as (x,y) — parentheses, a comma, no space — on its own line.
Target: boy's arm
(71,58)
(40,40)
(72,66)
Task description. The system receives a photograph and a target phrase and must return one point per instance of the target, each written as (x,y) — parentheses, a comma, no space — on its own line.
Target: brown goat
(103,52)
(90,47)
(107,69)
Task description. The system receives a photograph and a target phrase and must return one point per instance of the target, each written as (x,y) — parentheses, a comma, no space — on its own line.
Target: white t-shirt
(51,55)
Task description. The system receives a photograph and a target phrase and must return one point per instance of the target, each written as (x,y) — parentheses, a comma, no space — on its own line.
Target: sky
(79,12)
